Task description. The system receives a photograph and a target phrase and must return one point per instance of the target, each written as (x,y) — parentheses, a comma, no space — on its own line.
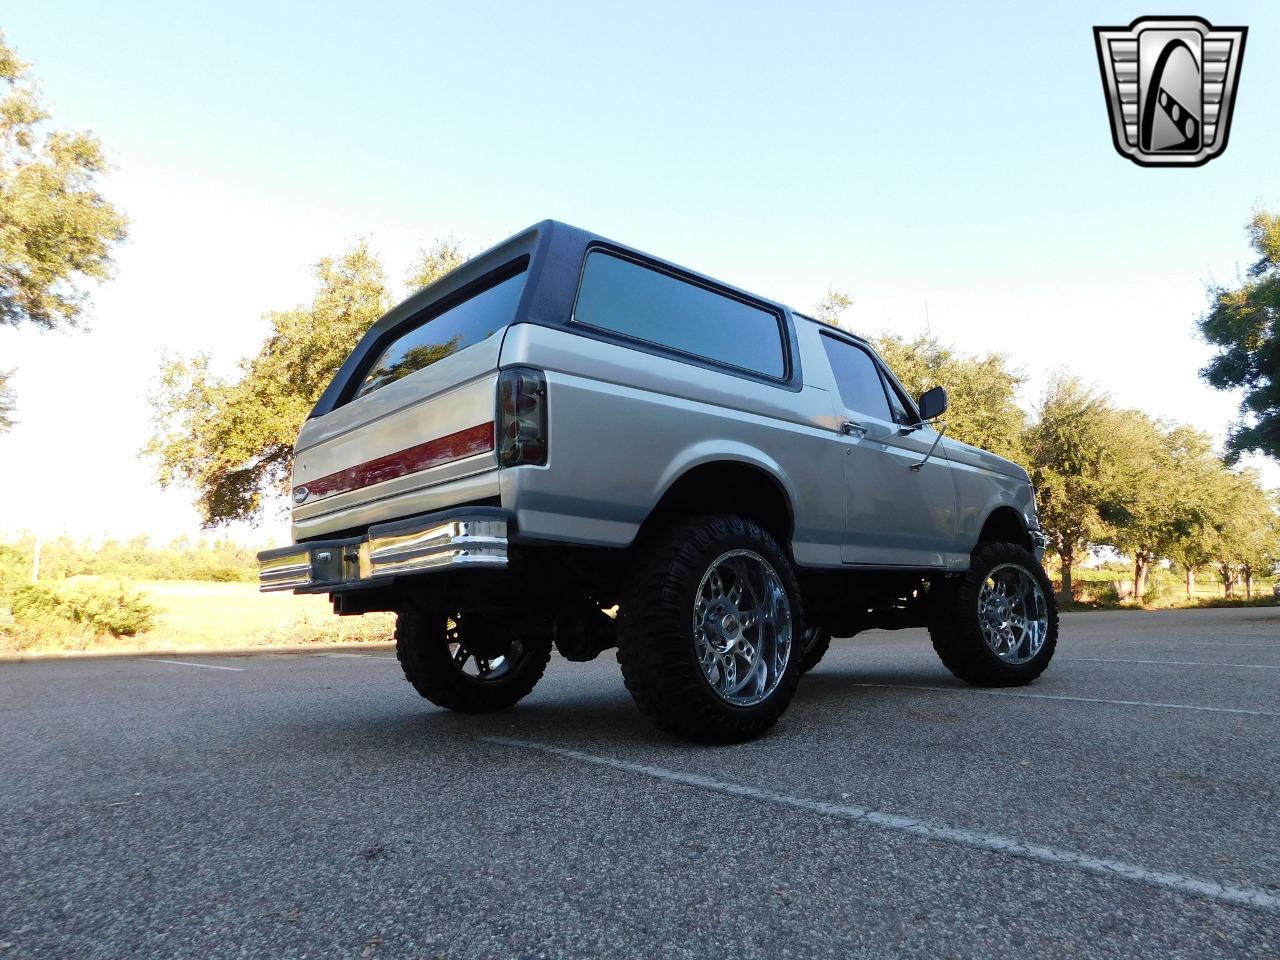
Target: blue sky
(950,155)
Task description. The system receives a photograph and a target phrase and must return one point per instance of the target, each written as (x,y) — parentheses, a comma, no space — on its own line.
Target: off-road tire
(812,655)
(957,636)
(422,647)
(656,643)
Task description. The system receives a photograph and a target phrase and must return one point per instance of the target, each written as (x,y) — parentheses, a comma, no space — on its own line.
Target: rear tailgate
(409,427)
(421,443)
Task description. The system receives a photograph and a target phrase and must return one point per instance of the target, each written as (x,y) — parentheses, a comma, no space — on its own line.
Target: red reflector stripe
(455,446)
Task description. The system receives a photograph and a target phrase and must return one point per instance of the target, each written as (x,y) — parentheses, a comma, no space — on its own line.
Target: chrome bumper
(475,537)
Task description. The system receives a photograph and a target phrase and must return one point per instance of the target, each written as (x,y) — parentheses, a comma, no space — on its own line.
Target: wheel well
(727,487)
(1004,525)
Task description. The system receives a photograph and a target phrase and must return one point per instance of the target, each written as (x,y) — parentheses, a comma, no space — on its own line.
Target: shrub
(15,570)
(117,611)
(36,602)
(120,612)
(1158,592)
(1108,595)
(219,573)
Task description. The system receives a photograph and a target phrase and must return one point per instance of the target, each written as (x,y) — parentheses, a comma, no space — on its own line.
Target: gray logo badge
(1170,84)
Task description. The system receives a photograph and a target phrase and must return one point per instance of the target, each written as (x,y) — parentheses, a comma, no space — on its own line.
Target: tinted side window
(460,326)
(857,377)
(633,300)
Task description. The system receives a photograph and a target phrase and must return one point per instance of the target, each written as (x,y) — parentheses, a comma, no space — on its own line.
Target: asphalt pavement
(1125,805)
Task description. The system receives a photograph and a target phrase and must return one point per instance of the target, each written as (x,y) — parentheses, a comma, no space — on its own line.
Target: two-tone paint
(627,420)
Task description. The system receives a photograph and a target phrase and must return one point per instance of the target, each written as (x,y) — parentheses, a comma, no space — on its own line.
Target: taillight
(522,417)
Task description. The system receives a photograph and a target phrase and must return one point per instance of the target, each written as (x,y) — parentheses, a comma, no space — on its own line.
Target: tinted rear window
(466,323)
(658,308)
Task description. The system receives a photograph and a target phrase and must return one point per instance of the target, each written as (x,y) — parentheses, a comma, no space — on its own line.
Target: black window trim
(512,268)
(789,379)
(887,379)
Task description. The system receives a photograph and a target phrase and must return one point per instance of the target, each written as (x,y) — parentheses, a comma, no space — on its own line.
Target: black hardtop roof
(554,253)
(553,236)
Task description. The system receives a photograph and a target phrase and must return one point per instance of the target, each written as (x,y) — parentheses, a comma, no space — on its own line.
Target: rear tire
(709,613)
(997,624)
(814,644)
(463,662)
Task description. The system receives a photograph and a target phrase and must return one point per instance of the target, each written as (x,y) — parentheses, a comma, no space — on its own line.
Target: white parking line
(1202,643)
(188,663)
(1054,696)
(1239,896)
(1181,663)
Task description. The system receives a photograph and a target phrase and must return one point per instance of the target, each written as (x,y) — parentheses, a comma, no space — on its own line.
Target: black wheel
(997,624)
(709,618)
(814,644)
(464,662)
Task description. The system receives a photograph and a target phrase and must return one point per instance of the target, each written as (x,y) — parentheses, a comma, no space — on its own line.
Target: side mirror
(933,403)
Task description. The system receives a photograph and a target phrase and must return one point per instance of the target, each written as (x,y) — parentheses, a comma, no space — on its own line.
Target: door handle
(851,428)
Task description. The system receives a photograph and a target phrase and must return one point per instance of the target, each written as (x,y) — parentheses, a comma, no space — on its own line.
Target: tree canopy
(1199,514)
(1117,478)
(832,306)
(1068,451)
(1244,324)
(435,261)
(56,229)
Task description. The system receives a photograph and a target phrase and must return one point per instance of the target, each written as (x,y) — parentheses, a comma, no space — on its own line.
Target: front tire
(997,624)
(710,616)
(464,662)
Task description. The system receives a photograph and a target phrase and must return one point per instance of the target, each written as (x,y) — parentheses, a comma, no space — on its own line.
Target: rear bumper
(448,540)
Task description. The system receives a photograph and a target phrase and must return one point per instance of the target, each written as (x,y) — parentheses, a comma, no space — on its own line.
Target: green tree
(1069,446)
(832,306)
(232,439)
(1244,324)
(1250,539)
(56,229)
(1261,548)
(981,389)
(1142,505)
(1200,478)
(435,261)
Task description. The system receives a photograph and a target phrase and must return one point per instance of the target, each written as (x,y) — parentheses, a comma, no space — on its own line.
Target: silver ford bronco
(566,443)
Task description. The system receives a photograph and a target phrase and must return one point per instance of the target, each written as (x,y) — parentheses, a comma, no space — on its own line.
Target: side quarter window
(858,378)
(633,300)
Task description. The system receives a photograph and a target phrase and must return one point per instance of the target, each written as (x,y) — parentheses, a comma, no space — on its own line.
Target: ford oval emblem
(300,494)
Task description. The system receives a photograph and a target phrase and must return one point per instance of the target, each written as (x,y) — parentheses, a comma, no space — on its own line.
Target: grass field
(231,614)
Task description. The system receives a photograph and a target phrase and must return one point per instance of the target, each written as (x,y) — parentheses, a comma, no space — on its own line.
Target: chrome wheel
(1013,613)
(480,661)
(742,627)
